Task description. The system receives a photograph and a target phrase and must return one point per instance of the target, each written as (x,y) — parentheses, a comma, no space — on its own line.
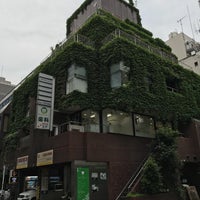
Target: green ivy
(134,96)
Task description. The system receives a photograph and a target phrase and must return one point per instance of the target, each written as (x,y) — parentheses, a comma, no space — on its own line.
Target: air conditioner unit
(78,128)
(193,53)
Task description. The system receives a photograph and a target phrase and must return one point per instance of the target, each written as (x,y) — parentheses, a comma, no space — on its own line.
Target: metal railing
(128,187)
(137,41)
(74,126)
(65,127)
(60,46)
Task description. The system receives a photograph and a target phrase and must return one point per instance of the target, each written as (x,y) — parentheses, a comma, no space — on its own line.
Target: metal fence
(137,41)
(60,46)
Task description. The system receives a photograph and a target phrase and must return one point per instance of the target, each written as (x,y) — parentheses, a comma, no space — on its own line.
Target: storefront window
(90,120)
(117,122)
(144,126)
(55,178)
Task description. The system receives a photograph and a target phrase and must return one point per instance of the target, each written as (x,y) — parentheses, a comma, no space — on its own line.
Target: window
(77,79)
(172,84)
(196,63)
(117,122)
(90,120)
(119,74)
(144,126)
(55,179)
(148,83)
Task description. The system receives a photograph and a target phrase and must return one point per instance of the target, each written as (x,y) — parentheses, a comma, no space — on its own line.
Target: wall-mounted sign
(43,117)
(45,158)
(45,102)
(22,162)
(103,176)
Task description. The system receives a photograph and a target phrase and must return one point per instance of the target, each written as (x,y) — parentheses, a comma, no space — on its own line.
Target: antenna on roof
(180,21)
(191,22)
(197,30)
(135,3)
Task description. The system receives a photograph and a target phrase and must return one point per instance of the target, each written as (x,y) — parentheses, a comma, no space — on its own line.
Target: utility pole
(3,177)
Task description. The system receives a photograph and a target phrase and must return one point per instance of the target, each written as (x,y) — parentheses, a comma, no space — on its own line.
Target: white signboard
(45,158)
(45,102)
(22,162)
(43,117)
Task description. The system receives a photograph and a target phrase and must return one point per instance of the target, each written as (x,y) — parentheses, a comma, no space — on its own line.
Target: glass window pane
(144,126)
(114,68)
(71,72)
(90,120)
(80,71)
(70,87)
(76,79)
(76,84)
(116,79)
(80,85)
(117,122)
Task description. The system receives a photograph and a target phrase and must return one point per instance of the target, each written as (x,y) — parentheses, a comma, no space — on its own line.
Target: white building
(5,87)
(186,49)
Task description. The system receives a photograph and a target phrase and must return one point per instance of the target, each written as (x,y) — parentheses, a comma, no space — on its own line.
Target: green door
(83,190)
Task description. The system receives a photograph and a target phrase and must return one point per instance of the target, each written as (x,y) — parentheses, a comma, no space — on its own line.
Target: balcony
(60,46)
(139,42)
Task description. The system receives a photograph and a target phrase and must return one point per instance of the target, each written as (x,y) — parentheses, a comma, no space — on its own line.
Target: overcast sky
(29,28)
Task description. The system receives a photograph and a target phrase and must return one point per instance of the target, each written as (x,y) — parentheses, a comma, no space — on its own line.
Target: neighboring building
(114,86)
(186,49)
(5,87)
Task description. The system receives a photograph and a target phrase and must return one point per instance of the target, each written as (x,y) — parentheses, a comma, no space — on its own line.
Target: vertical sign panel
(45,102)
(83,191)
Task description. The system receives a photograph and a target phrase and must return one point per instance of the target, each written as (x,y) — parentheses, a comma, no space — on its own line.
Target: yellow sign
(45,158)
(22,162)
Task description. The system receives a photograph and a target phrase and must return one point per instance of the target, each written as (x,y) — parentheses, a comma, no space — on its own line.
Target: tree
(131,2)
(165,155)
(151,180)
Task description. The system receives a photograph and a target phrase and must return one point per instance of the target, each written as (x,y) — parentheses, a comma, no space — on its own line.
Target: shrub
(151,180)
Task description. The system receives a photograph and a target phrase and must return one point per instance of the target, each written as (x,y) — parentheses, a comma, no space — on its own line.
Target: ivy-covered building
(114,86)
